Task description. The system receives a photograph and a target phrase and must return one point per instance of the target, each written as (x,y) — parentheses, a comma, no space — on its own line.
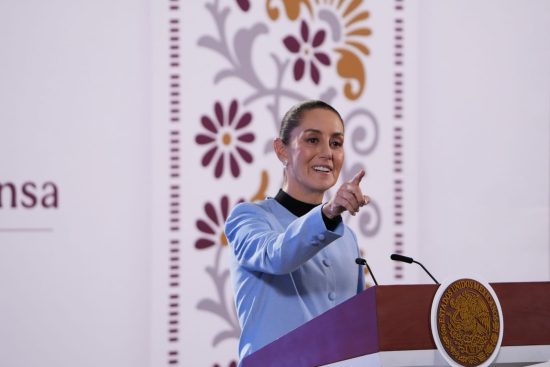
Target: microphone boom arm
(361,261)
(426,270)
(410,260)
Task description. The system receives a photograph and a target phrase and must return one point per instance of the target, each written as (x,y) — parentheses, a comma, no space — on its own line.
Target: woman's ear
(280,149)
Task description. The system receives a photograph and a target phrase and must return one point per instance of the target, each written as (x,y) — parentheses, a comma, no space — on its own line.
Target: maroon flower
(243,4)
(307,50)
(212,227)
(226,138)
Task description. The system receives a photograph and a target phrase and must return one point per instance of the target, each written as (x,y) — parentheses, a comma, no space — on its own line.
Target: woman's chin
(325,186)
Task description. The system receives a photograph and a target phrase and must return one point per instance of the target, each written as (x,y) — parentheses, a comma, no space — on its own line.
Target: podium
(390,326)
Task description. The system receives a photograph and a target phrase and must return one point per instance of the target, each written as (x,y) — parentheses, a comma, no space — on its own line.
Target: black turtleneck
(299,208)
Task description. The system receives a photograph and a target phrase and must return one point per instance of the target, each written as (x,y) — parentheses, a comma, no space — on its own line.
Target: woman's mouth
(324,169)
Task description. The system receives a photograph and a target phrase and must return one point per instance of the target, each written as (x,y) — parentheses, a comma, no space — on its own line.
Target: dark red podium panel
(397,318)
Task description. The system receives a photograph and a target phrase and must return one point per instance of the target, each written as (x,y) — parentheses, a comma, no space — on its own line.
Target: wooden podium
(390,326)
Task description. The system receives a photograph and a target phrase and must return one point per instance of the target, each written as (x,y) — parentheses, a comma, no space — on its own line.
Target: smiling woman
(313,155)
(292,256)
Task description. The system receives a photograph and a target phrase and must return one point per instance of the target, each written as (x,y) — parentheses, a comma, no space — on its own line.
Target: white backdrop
(484,139)
(74,101)
(89,103)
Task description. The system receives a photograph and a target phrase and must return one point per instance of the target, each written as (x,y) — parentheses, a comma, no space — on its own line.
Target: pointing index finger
(356,180)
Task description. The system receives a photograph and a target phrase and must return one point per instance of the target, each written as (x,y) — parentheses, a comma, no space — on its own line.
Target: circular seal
(467,323)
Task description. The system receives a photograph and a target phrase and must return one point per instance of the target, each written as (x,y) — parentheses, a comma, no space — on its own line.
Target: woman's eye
(312,140)
(336,144)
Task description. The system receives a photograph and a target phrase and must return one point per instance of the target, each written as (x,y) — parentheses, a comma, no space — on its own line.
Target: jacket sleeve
(259,245)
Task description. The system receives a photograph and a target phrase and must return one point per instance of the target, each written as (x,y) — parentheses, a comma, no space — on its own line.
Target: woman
(292,257)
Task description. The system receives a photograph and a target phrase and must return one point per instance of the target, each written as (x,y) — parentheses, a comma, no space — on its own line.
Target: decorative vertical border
(174,118)
(398,112)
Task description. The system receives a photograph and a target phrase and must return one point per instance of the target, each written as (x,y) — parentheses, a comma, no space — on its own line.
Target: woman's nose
(325,152)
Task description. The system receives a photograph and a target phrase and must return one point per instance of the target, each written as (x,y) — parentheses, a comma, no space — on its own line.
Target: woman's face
(314,155)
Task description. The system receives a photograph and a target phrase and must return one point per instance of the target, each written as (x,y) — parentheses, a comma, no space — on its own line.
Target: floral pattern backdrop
(243,64)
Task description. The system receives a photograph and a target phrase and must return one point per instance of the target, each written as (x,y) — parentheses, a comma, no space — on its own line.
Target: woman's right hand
(348,197)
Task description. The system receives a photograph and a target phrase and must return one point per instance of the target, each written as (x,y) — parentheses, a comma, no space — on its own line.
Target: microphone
(361,261)
(410,260)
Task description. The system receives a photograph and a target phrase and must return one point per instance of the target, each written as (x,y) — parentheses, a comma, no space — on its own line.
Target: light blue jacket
(286,270)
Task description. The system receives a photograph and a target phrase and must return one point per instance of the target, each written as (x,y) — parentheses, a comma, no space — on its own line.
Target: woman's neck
(293,205)
(314,198)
